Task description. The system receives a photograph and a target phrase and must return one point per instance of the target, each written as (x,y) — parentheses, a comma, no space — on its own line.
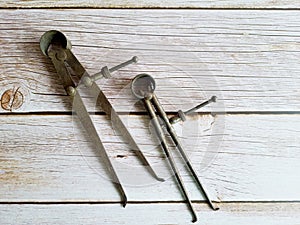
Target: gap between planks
(155,4)
(170,114)
(149,214)
(98,202)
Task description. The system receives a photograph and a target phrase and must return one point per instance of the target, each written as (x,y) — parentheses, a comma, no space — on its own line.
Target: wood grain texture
(230,213)
(248,59)
(50,172)
(49,159)
(256,4)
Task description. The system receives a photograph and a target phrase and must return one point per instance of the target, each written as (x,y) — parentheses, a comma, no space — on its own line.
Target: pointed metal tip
(154,174)
(194,220)
(125,202)
(215,208)
(160,179)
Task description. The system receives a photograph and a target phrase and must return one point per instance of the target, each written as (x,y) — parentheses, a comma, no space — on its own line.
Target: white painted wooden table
(247,152)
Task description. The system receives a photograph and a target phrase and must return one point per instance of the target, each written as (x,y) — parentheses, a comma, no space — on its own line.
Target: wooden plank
(238,157)
(256,4)
(249,59)
(244,214)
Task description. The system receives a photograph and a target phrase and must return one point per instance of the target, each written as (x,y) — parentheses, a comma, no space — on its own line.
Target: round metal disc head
(142,85)
(53,37)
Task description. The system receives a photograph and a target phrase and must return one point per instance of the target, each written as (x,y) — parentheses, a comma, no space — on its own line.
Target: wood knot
(12,99)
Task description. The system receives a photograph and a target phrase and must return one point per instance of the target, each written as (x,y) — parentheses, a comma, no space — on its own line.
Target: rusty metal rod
(178,144)
(162,139)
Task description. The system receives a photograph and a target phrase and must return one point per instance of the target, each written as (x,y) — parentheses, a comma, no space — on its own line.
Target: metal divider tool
(57,47)
(143,87)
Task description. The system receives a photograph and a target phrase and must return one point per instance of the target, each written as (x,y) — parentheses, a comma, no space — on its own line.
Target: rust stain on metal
(12,99)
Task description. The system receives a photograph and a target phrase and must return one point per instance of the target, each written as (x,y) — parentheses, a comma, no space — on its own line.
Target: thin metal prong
(181,115)
(134,59)
(105,72)
(162,139)
(124,200)
(212,99)
(178,144)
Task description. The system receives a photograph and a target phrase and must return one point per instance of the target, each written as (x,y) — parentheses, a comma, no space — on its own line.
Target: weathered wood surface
(249,59)
(231,213)
(256,4)
(44,158)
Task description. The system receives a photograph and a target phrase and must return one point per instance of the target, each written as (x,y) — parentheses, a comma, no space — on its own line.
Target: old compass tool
(57,47)
(143,87)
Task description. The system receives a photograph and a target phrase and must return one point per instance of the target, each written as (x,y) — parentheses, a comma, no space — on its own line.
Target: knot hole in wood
(12,99)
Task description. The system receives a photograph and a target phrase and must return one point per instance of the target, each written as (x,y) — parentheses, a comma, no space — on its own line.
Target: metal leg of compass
(89,126)
(162,139)
(103,102)
(83,115)
(178,144)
